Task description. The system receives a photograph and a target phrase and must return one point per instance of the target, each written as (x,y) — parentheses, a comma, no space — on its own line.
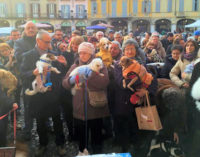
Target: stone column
(129,26)
(152,29)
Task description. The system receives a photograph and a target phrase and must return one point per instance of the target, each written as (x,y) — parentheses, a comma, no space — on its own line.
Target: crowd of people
(89,126)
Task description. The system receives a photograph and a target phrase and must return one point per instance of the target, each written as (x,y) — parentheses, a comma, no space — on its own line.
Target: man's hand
(176,138)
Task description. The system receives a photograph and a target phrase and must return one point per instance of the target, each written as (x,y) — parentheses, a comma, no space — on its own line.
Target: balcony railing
(45,16)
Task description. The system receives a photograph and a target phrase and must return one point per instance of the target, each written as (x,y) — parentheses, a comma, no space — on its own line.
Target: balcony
(68,16)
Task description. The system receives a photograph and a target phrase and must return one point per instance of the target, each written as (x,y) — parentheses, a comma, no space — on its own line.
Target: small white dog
(42,66)
(96,65)
(195,93)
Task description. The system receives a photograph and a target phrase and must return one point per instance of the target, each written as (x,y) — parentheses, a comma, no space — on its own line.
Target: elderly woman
(95,115)
(125,123)
(189,55)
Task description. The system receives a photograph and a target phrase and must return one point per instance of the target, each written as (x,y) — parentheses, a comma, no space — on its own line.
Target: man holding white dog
(44,105)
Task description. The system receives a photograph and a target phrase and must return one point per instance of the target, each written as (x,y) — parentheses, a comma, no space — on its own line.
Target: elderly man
(115,50)
(99,35)
(14,35)
(118,37)
(27,42)
(24,44)
(44,105)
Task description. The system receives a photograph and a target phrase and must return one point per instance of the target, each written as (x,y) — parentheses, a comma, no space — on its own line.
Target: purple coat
(95,83)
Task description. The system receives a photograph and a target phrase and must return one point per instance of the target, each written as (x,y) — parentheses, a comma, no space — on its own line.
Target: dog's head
(104,44)
(125,62)
(96,64)
(48,58)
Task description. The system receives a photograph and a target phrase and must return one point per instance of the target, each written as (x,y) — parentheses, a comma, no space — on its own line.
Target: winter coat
(165,70)
(95,83)
(178,69)
(160,50)
(122,104)
(23,45)
(42,103)
(5,103)
(11,43)
(165,43)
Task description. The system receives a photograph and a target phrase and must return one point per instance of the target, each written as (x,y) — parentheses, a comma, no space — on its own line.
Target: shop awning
(66,24)
(80,24)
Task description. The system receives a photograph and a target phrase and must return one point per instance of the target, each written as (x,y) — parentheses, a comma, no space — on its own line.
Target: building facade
(144,15)
(125,15)
(67,14)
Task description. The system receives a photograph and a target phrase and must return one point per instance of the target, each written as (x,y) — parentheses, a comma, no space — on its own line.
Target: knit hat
(86,47)
(155,34)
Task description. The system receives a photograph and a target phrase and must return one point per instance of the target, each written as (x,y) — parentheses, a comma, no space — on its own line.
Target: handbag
(147,116)
(97,98)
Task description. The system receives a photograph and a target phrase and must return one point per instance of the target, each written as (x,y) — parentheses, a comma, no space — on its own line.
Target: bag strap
(147,99)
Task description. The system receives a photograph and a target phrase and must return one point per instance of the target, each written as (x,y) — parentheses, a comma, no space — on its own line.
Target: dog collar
(42,60)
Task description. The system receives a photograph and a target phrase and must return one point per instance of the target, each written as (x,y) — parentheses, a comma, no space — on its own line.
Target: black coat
(42,103)
(11,43)
(23,45)
(169,63)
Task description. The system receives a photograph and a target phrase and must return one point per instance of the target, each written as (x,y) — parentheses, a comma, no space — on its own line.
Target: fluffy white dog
(43,66)
(96,65)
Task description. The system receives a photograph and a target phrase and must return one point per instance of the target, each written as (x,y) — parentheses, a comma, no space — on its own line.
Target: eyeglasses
(46,42)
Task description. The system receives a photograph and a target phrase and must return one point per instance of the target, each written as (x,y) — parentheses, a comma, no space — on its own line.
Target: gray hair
(41,33)
(118,44)
(130,42)
(116,33)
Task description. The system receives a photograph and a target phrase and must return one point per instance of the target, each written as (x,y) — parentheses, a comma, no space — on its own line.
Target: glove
(85,72)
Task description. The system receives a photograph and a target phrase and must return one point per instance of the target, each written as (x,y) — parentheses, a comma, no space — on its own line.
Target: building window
(80,11)
(146,6)
(135,6)
(20,10)
(65,11)
(157,6)
(103,7)
(3,10)
(169,7)
(51,10)
(94,8)
(124,8)
(181,5)
(195,5)
(114,8)
(35,8)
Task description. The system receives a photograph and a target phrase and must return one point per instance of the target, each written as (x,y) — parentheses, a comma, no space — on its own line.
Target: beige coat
(179,68)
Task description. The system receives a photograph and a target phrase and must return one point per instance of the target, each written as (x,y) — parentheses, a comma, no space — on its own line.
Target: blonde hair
(4,46)
(75,40)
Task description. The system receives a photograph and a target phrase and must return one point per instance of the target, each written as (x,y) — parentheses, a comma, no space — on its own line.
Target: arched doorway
(180,27)
(66,27)
(163,26)
(80,25)
(140,26)
(97,22)
(120,25)
(4,23)
(19,23)
(49,29)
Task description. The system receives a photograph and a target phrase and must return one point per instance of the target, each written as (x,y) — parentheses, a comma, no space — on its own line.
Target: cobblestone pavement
(72,148)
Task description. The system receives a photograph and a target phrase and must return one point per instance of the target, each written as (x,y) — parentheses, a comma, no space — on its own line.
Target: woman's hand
(185,85)
(176,138)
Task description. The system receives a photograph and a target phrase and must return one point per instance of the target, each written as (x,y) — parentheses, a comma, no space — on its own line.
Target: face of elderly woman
(130,51)
(190,47)
(84,56)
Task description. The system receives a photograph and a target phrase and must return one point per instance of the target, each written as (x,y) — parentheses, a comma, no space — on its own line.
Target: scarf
(190,56)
